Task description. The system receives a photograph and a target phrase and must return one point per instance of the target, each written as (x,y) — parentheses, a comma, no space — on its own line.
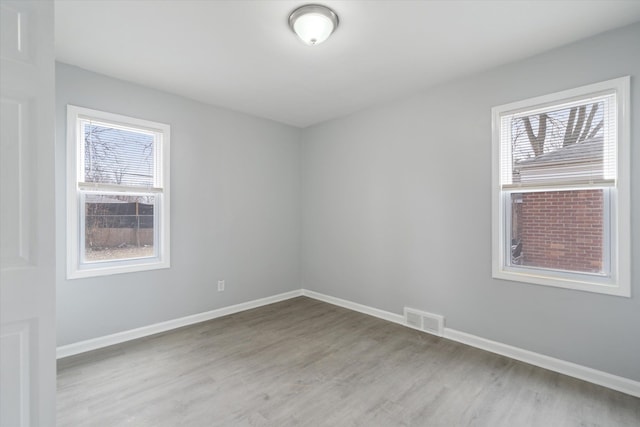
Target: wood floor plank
(302,362)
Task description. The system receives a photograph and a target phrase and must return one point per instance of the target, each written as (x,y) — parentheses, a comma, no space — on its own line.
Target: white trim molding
(613,180)
(574,370)
(132,334)
(375,312)
(79,188)
(584,373)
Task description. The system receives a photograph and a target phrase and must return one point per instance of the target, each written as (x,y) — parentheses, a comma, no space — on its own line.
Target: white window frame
(617,223)
(76,268)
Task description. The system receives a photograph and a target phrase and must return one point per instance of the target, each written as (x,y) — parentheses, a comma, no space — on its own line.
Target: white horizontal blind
(567,144)
(117,156)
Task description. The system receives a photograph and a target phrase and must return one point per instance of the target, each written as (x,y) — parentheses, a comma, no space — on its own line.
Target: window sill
(580,282)
(108,269)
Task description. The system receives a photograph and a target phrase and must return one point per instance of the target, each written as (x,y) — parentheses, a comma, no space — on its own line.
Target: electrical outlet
(220,285)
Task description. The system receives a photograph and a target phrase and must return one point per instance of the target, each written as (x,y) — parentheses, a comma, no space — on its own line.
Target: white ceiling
(242,55)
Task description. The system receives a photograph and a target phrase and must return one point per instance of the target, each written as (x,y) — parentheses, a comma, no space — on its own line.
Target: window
(561,189)
(117,193)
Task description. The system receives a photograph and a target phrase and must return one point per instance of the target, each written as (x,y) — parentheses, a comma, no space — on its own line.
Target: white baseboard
(120,337)
(594,376)
(604,379)
(386,315)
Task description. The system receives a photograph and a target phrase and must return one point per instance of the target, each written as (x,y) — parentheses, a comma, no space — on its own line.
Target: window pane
(118,156)
(118,227)
(573,142)
(560,230)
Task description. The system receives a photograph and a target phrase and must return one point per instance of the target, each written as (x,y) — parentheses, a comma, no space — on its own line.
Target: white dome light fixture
(313,23)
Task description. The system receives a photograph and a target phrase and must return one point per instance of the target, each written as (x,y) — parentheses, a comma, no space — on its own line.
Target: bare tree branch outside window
(546,132)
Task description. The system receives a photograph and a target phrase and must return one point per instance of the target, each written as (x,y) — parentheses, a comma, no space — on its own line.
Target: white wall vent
(427,322)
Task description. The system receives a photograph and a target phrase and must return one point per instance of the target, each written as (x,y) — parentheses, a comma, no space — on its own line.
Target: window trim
(75,177)
(619,235)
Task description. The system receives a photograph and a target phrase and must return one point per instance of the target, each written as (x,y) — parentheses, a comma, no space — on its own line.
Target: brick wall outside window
(562,230)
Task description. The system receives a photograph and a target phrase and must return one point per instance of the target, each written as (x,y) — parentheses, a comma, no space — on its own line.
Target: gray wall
(396,211)
(235,212)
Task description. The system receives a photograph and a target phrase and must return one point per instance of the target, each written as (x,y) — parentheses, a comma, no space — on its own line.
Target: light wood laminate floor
(302,362)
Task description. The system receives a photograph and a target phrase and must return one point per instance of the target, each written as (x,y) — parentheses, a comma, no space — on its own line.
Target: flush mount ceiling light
(313,23)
